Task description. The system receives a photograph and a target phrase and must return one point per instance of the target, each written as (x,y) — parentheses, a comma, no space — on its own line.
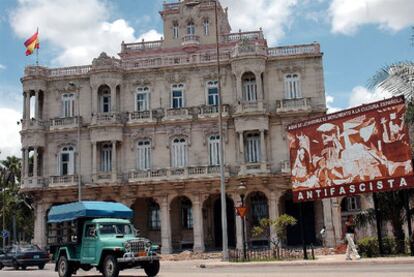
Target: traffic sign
(5,234)
(241,211)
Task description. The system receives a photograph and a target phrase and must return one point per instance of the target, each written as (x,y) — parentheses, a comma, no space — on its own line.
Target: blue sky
(357,37)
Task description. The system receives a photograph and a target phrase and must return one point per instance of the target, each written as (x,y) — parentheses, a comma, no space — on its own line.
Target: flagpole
(37,48)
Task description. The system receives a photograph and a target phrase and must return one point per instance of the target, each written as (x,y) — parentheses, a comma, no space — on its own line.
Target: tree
(12,202)
(280,226)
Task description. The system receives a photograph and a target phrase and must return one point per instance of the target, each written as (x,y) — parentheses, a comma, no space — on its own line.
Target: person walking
(350,236)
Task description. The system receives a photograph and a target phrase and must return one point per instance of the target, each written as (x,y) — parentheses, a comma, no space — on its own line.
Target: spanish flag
(32,43)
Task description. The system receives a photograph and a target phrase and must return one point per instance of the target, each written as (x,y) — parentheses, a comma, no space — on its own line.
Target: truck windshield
(115,229)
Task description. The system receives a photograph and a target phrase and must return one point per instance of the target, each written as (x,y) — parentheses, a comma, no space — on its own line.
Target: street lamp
(242,190)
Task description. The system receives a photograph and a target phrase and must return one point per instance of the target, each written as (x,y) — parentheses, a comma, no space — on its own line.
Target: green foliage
(280,225)
(12,202)
(368,247)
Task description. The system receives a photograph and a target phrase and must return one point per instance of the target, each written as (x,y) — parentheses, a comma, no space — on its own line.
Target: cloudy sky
(357,37)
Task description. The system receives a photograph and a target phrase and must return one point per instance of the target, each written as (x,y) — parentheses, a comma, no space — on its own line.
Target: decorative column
(165,226)
(332,221)
(198,229)
(259,91)
(113,162)
(239,90)
(263,146)
(94,161)
(23,163)
(40,235)
(241,147)
(274,212)
(27,105)
(26,162)
(37,106)
(113,99)
(95,100)
(239,228)
(24,106)
(35,162)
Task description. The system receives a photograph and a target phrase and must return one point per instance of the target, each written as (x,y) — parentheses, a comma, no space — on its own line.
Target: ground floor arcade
(187,215)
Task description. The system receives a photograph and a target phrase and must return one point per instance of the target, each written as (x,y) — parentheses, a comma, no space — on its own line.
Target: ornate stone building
(142,129)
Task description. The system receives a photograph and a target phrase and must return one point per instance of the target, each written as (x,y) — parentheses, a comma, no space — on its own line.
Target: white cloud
(2,66)
(347,15)
(274,16)
(361,95)
(329,104)
(78,29)
(9,136)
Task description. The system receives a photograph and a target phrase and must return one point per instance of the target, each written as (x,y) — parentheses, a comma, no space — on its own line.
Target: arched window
(177,96)
(104,93)
(175,30)
(67,161)
(351,204)
(154,219)
(186,214)
(106,157)
(142,99)
(68,105)
(212,93)
(213,150)
(190,28)
(144,154)
(206,26)
(259,208)
(252,148)
(249,87)
(292,86)
(179,153)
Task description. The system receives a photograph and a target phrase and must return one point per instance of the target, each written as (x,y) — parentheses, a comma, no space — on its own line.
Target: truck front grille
(137,246)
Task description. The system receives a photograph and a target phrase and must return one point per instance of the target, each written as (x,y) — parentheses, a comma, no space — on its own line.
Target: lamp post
(242,189)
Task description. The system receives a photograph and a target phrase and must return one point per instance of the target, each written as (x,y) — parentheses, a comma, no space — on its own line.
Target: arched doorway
(181,214)
(213,238)
(258,208)
(308,215)
(147,218)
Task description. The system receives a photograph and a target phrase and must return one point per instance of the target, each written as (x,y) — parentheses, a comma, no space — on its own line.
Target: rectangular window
(142,100)
(106,158)
(144,155)
(68,105)
(187,216)
(177,97)
(190,29)
(64,164)
(179,153)
(212,93)
(292,86)
(175,31)
(154,218)
(106,104)
(213,150)
(252,148)
(206,27)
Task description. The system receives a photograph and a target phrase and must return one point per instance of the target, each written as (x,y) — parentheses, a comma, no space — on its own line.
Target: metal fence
(267,254)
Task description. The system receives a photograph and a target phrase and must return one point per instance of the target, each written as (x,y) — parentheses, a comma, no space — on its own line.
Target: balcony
(246,48)
(295,50)
(250,106)
(106,177)
(296,105)
(107,118)
(33,124)
(212,111)
(64,123)
(190,43)
(175,173)
(254,168)
(33,183)
(63,181)
(178,114)
(141,117)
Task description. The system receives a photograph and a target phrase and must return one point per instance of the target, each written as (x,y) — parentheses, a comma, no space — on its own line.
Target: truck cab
(98,234)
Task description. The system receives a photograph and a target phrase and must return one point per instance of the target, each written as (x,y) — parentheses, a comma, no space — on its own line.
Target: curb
(366,261)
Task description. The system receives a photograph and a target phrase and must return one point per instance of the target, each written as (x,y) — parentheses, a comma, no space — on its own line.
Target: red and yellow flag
(32,43)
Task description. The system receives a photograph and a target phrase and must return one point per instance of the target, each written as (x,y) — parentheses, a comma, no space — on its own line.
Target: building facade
(142,129)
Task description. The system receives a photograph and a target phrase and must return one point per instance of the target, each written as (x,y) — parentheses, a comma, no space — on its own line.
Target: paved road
(185,270)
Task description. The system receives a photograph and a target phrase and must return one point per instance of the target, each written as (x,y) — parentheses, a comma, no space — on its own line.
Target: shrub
(368,247)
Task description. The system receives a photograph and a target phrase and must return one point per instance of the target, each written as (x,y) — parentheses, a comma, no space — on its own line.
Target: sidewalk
(319,261)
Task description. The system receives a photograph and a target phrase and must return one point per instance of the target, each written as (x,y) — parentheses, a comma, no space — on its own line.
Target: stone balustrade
(33,124)
(254,168)
(64,122)
(282,51)
(293,105)
(142,116)
(67,180)
(178,114)
(141,46)
(168,173)
(243,36)
(33,182)
(102,118)
(285,167)
(207,111)
(190,40)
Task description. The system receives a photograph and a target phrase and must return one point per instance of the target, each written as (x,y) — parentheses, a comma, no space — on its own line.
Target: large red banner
(359,150)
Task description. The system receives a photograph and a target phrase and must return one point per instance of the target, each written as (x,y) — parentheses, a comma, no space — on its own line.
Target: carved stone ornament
(105,61)
(179,132)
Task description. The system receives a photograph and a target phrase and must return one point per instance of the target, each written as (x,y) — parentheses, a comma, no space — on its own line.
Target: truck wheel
(41,266)
(63,267)
(1,266)
(152,269)
(110,267)
(15,265)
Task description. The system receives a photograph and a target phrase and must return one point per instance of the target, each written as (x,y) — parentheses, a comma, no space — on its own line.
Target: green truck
(88,234)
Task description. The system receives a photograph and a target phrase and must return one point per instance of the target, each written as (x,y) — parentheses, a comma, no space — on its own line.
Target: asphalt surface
(265,270)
